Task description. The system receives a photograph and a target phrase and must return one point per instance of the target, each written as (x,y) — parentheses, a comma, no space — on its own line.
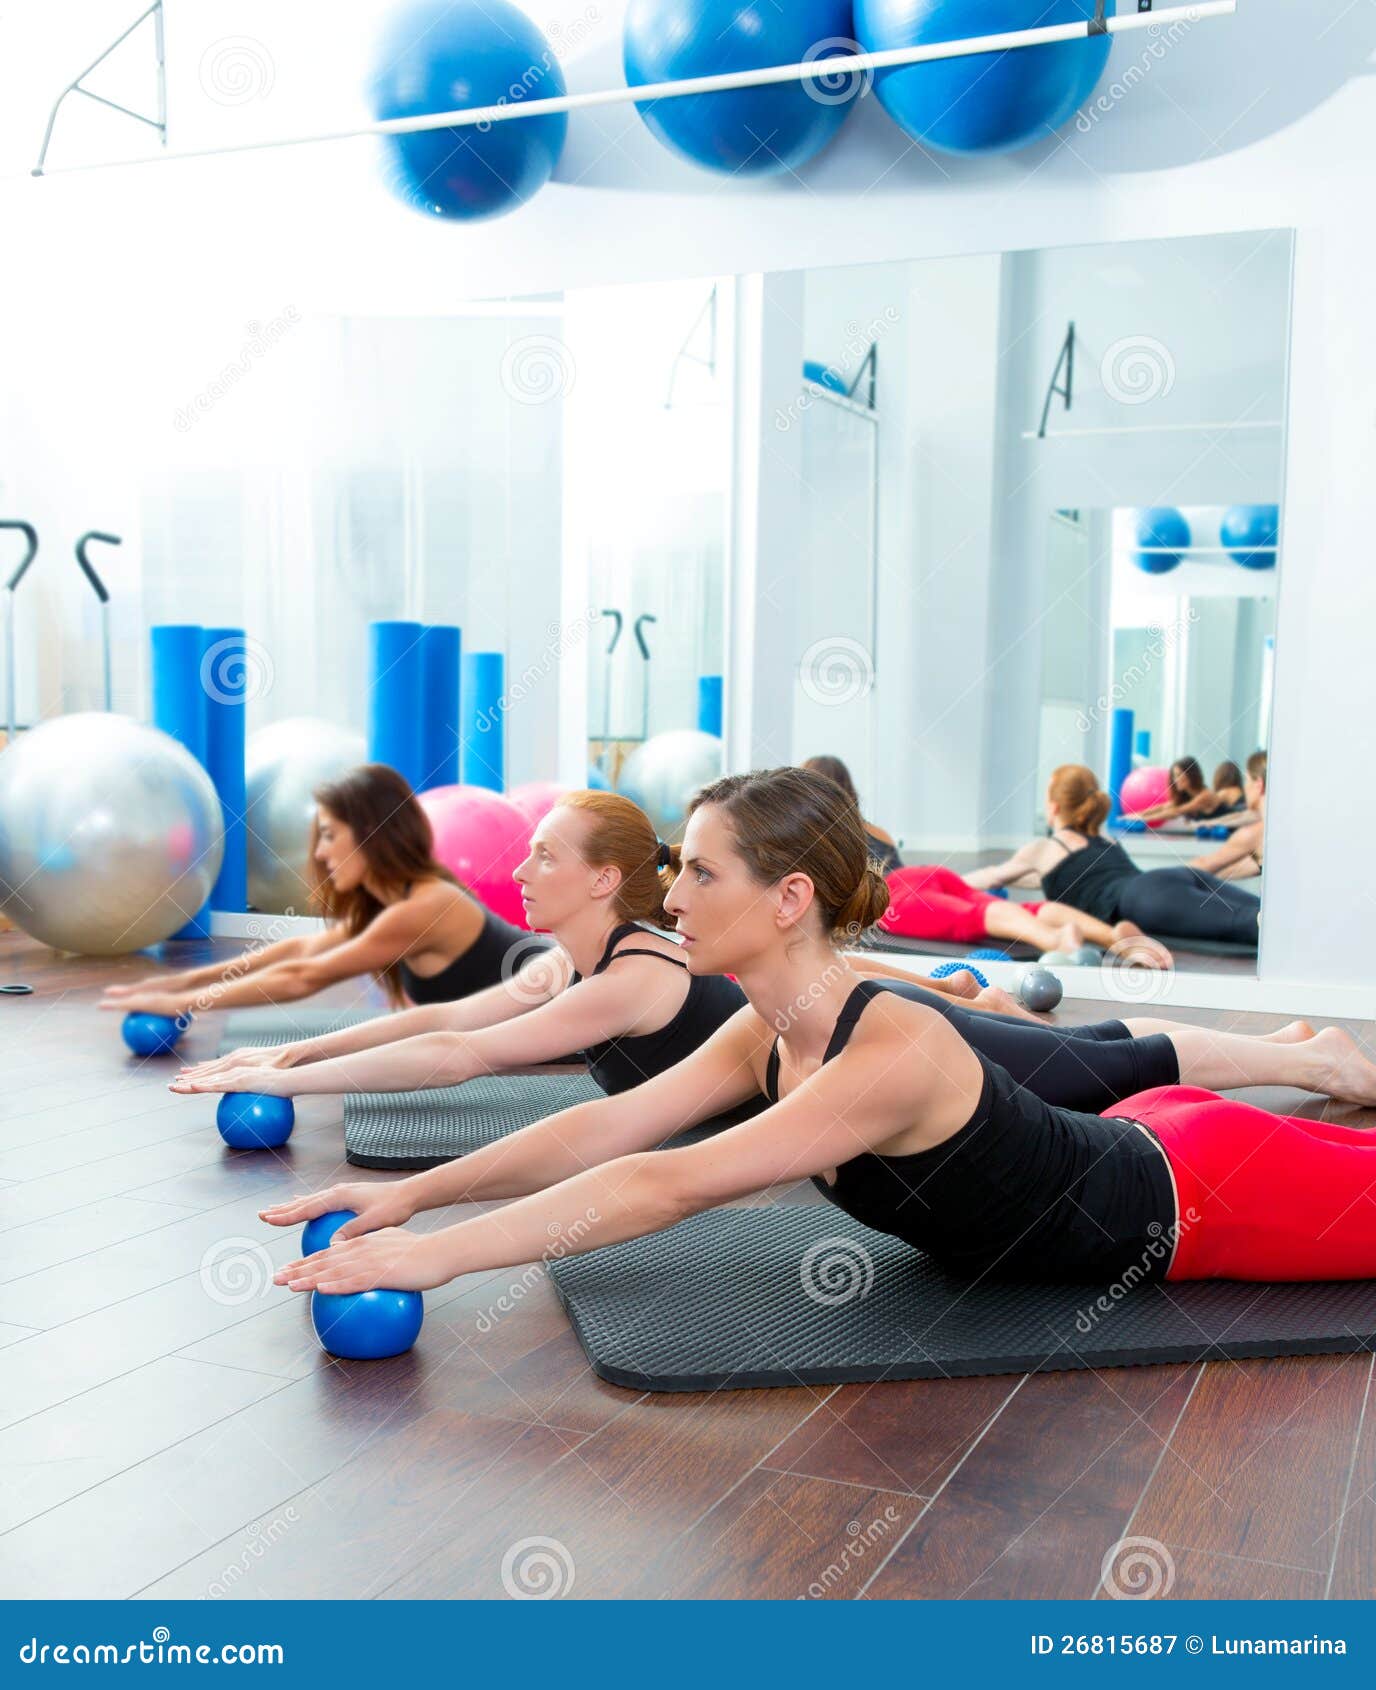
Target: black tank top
(1023,1191)
(619,1064)
(495,955)
(1091,879)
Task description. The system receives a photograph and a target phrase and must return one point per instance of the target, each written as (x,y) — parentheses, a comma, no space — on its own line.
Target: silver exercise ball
(283,765)
(665,773)
(111,834)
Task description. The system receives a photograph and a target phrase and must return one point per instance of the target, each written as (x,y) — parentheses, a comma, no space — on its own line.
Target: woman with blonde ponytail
(596,879)
(1078,867)
(882,1096)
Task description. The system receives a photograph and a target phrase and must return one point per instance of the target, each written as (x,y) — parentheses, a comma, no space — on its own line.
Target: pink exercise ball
(1144,789)
(482,839)
(536,799)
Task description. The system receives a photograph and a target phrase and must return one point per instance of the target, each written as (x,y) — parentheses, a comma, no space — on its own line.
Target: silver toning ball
(1040,990)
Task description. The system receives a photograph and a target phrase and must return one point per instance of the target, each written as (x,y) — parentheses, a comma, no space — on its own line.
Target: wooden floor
(170,1427)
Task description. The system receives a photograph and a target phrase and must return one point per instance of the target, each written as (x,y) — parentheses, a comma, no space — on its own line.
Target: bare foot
(1069,938)
(1293,1033)
(1132,945)
(962,984)
(1003,1003)
(1340,1069)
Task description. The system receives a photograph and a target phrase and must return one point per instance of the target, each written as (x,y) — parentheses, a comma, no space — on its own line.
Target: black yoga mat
(802,1294)
(421,1129)
(877,940)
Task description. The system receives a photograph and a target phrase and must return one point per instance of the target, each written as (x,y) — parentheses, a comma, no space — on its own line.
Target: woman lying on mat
(894,1115)
(610,987)
(391,911)
(935,903)
(1240,858)
(882,846)
(1077,866)
(1191,800)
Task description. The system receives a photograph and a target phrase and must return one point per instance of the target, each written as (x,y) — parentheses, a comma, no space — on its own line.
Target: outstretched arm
(1239,859)
(1021,863)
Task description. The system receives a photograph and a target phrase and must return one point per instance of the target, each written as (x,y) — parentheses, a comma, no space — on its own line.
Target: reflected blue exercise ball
(153,1035)
(319,1233)
(989,102)
(367,1325)
(250,1122)
(1162,526)
(1250,534)
(743,131)
(445,55)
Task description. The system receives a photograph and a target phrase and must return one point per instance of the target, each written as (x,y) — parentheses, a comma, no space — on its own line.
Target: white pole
(1147,428)
(811,71)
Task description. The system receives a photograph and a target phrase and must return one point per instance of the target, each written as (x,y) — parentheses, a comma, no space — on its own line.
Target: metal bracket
(1066,362)
(30,534)
(159,122)
(709,363)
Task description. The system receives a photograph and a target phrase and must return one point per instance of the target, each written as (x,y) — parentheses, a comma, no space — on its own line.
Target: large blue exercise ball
(1250,534)
(1165,531)
(989,102)
(445,55)
(743,131)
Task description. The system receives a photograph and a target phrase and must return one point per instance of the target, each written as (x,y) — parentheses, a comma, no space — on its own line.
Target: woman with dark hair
(883,847)
(611,987)
(1078,866)
(1191,800)
(882,1104)
(391,911)
(1240,857)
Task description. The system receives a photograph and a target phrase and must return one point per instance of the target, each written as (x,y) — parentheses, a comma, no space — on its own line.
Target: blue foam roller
(988,955)
(250,1122)
(319,1233)
(396,690)
(367,1325)
(1119,760)
(945,970)
(710,704)
(153,1035)
(441,648)
(179,709)
(483,719)
(998,892)
(1141,744)
(225,671)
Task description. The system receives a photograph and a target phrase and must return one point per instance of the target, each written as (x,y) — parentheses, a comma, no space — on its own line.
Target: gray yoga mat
(421,1129)
(282,1024)
(802,1294)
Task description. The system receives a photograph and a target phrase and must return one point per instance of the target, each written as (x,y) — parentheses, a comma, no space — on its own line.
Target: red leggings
(931,902)
(1261,1196)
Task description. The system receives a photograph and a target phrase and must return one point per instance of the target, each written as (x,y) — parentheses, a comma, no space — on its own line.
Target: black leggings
(1187,903)
(1085,1068)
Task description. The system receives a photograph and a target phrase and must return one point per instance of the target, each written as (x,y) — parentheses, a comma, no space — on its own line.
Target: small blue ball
(319,1233)
(367,1325)
(1162,526)
(1250,534)
(153,1035)
(946,969)
(249,1122)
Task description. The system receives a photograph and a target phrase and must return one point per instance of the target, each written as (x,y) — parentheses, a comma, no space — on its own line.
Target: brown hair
(834,769)
(1227,774)
(393,834)
(795,821)
(1188,782)
(1256,766)
(622,836)
(1080,802)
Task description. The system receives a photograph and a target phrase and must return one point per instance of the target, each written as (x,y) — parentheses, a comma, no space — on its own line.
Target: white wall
(1249,124)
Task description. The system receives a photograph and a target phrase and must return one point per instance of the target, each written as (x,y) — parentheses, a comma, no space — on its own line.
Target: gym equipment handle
(102,592)
(30,533)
